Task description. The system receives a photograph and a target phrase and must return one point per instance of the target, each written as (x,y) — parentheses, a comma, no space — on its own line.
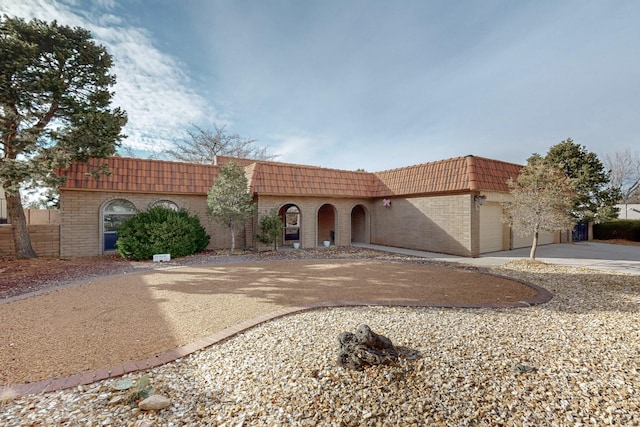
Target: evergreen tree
(595,199)
(54,109)
(270,229)
(229,202)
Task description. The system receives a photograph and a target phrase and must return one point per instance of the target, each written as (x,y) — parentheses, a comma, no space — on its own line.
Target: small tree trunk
(21,239)
(534,246)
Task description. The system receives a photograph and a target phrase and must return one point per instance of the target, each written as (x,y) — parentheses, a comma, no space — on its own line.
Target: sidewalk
(598,256)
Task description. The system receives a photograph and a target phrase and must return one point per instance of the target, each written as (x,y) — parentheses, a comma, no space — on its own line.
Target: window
(114,214)
(166,204)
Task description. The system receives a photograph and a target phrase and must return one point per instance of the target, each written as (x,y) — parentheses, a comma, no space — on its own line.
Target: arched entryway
(359,224)
(326,224)
(290,215)
(113,215)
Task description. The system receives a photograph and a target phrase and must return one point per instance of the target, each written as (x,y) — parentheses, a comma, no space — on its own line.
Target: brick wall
(45,239)
(311,232)
(80,219)
(446,224)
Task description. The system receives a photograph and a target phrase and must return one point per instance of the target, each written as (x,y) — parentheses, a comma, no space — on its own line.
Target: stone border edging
(57,384)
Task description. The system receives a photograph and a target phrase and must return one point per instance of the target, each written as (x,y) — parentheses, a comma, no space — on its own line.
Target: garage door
(490,228)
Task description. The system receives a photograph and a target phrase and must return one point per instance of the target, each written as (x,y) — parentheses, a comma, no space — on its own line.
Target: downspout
(472,183)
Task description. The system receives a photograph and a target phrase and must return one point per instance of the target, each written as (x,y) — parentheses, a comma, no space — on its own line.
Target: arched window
(114,214)
(166,204)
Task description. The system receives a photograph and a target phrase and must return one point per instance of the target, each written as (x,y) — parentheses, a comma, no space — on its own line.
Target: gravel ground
(571,361)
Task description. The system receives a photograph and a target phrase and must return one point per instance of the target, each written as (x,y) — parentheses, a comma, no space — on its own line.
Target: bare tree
(542,200)
(203,145)
(624,167)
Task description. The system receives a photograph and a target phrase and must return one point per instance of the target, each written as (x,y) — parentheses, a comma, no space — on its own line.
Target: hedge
(625,229)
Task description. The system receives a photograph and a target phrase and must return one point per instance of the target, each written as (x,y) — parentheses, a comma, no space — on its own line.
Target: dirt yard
(62,317)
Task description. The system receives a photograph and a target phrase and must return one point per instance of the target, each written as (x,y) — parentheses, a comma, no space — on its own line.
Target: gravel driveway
(571,361)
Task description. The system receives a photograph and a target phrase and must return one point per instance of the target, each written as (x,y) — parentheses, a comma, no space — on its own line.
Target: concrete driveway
(599,256)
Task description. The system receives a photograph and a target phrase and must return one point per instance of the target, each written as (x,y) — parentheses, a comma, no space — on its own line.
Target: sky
(374,84)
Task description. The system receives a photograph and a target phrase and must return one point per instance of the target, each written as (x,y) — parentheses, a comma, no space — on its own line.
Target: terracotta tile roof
(458,174)
(491,175)
(142,175)
(444,176)
(286,179)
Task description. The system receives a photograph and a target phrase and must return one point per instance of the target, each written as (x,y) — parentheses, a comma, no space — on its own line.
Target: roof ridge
(267,162)
(177,162)
(472,177)
(421,164)
(494,160)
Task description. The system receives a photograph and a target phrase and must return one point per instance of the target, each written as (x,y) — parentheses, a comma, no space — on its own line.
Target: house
(450,206)
(629,211)
(3,207)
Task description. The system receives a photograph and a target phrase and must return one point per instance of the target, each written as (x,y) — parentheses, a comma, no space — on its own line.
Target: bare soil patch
(105,311)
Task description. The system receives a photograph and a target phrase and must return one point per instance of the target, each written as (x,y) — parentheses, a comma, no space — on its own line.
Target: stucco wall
(42,216)
(446,224)
(81,227)
(629,211)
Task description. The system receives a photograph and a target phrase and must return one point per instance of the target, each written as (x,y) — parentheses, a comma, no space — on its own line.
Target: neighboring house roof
(141,175)
(458,174)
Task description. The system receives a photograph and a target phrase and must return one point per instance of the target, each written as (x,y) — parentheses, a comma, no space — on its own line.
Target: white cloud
(152,87)
(302,148)
(370,84)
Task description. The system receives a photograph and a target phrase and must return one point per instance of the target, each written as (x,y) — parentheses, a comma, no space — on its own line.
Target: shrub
(161,230)
(270,229)
(627,229)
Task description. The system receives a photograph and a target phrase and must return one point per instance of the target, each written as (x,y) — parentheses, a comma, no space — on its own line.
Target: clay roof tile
(450,175)
(141,175)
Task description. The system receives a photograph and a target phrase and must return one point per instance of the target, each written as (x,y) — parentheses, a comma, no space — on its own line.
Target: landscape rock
(116,400)
(154,403)
(365,348)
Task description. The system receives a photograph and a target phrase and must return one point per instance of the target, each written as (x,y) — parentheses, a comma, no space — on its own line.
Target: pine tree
(595,199)
(54,109)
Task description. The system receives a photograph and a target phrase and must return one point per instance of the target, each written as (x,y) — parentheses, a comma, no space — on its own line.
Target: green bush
(626,229)
(161,230)
(270,229)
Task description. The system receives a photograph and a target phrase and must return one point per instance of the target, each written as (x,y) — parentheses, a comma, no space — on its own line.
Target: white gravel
(572,361)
